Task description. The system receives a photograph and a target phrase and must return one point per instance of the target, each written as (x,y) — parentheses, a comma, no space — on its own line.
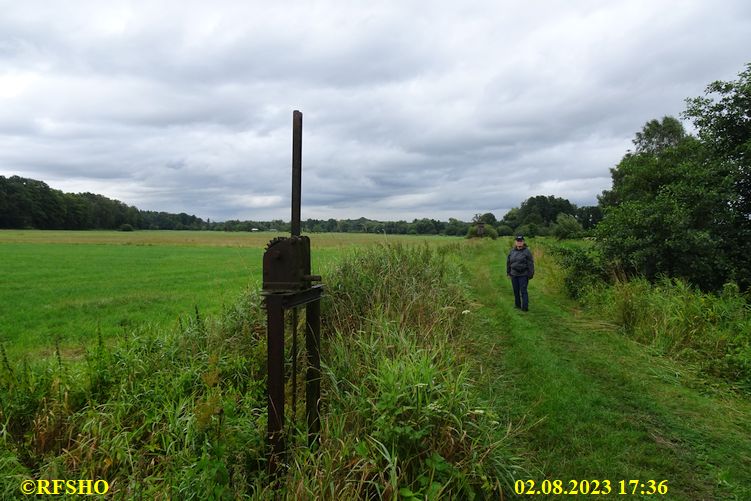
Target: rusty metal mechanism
(286,265)
(288,284)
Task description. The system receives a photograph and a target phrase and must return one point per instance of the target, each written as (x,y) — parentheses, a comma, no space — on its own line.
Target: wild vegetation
(680,205)
(705,329)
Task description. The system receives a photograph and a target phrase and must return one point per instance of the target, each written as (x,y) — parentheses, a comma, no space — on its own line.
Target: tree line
(28,203)
(32,204)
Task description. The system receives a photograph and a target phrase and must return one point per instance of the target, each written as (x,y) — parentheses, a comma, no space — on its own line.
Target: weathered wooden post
(287,284)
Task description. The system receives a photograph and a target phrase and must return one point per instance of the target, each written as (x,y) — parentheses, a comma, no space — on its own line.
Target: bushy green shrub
(504,230)
(583,269)
(488,232)
(566,226)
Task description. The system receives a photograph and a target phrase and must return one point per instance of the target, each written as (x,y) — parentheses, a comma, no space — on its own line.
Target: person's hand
(531,277)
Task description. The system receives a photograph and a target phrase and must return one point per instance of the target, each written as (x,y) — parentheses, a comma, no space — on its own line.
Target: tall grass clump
(401,416)
(412,286)
(158,415)
(710,330)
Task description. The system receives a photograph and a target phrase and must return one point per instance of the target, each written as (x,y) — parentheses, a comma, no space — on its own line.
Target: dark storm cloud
(444,112)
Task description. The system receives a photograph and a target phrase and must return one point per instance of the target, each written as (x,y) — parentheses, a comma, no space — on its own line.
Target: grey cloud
(444,112)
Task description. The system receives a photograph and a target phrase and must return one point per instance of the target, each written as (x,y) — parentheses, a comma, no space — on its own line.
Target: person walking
(520,266)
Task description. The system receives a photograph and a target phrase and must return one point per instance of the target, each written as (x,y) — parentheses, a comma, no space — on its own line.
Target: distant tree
(487,218)
(543,210)
(456,227)
(512,218)
(566,226)
(426,226)
(504,230)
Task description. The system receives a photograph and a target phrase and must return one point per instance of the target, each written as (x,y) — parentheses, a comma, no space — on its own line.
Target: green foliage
(722,119)
(538,216)
(667,214)
(488,232)
(566,226)
(543,211)
(487,218)
(681,206)
(588,216)
(711,330)
(584,269)
(126,227)
(504,230)
(657,136)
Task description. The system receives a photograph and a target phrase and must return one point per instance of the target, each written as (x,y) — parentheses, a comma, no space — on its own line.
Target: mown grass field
(69,285)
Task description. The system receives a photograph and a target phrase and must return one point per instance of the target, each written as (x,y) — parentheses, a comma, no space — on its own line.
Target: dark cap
(519,238)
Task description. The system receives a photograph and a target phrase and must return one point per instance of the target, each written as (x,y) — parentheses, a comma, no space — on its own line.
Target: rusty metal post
(313,374)
(275,361)
(296,171)
(288,284)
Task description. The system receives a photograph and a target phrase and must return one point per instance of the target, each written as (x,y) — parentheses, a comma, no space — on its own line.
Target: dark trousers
(521,300)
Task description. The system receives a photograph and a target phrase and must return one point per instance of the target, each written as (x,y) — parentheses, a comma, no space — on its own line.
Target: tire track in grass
(597,405)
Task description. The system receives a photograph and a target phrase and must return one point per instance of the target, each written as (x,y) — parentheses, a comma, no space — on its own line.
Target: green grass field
(434,385)
(68,285)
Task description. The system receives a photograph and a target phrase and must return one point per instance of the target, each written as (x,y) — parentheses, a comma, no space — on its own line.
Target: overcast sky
(411,109)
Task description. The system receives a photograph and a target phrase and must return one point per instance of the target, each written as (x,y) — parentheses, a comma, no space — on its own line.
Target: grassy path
(591,404)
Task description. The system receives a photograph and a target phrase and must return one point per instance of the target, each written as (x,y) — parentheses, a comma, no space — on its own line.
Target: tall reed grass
(400,403)
(710,330)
